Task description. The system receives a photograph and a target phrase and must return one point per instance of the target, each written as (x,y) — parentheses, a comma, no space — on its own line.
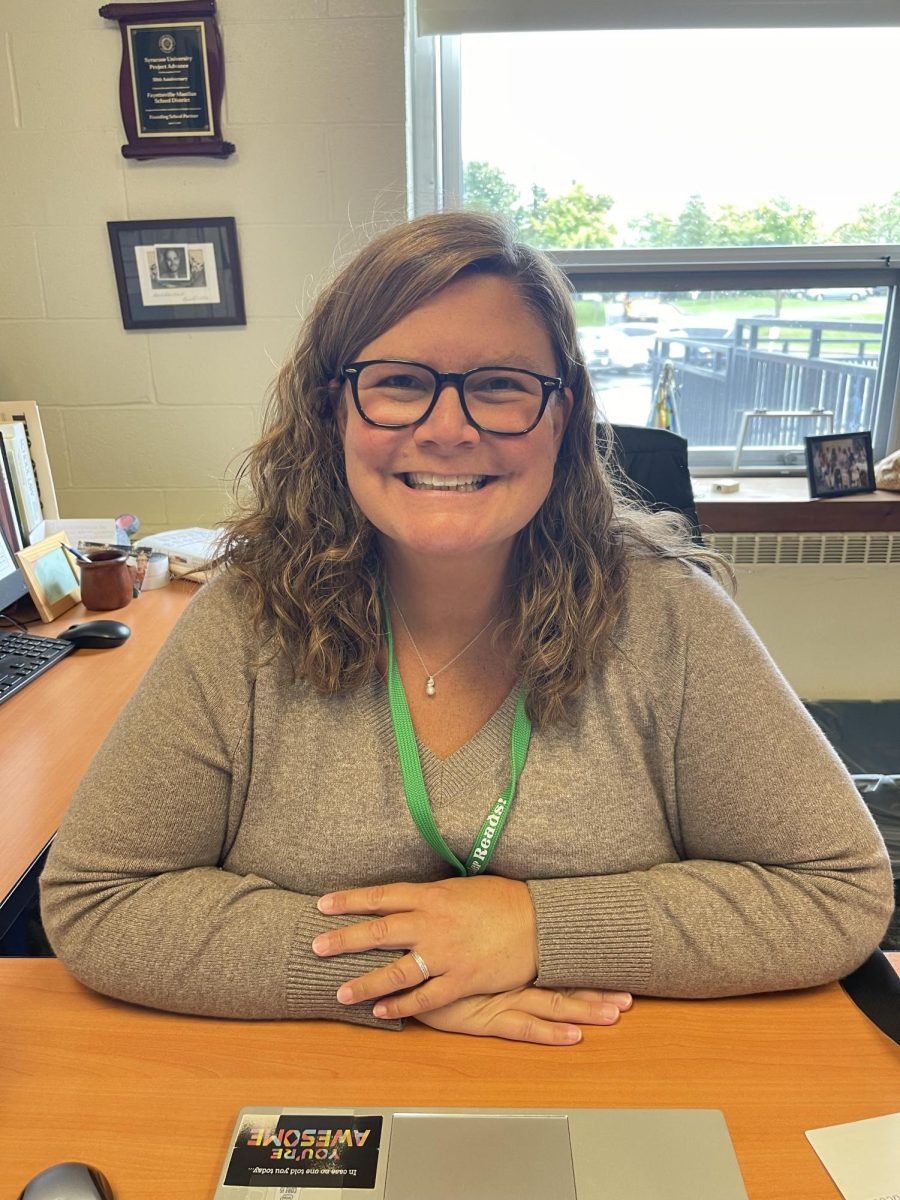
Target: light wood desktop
(50,731)
(150,1098)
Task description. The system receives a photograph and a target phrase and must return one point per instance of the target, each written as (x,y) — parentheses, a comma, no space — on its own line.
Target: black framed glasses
(392,393)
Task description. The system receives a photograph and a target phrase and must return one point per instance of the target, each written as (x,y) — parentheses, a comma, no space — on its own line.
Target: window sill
(783,505)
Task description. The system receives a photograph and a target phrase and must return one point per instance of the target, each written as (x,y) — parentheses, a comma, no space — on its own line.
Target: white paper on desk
(863,1158)
(85,529)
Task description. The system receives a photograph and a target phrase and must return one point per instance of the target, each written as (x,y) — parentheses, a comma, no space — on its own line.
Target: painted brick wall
(314,101)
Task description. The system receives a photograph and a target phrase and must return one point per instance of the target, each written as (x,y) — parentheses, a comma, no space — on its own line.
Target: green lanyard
(414,782)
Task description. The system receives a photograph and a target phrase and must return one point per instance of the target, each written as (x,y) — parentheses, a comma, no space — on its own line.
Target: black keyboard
(24,656)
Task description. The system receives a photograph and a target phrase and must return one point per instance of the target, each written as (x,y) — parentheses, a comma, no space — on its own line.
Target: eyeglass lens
(499,400)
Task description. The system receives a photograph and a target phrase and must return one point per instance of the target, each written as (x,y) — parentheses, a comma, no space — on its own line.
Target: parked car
(629,346)
(835,293)
(710,332)
(704,341)
(593,346)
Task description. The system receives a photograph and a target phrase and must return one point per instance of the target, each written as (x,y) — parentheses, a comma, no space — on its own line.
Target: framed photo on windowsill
(840,464)
(178,273)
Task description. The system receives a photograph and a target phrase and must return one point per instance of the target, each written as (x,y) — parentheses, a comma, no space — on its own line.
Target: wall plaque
(171,79)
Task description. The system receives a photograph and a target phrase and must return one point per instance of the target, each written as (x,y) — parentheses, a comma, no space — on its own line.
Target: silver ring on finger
(421,964)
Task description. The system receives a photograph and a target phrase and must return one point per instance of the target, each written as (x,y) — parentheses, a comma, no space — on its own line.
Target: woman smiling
(458,733)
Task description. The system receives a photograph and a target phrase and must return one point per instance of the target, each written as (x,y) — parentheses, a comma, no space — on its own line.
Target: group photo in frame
(840,464)
(177,273)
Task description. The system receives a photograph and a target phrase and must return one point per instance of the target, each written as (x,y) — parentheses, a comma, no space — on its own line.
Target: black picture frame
(204,286)
(840,464)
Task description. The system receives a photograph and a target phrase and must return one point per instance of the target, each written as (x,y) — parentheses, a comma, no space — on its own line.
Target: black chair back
(655,461)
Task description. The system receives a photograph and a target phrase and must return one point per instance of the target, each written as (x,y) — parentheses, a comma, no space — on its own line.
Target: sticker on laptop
(304,1150)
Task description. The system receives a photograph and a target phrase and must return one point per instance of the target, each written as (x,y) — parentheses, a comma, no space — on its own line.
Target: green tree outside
(579,219)
(775,223)
(875,224)
(576,220)
(488,188)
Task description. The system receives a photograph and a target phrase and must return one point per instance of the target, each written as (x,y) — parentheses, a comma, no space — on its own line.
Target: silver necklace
(430,689)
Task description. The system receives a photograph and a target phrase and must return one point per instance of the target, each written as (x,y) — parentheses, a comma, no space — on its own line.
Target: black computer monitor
(12,582)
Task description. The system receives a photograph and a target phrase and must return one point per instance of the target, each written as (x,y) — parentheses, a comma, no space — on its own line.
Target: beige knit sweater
(691,835)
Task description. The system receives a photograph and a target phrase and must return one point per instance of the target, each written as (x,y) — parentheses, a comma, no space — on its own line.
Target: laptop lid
(480,1154)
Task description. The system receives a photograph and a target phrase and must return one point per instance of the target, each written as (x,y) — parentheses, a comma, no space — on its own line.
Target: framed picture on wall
(840,464)
(177,273)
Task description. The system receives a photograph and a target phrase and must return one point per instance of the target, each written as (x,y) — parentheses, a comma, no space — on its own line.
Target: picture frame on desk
(51,574)
(840,464)
(178,273)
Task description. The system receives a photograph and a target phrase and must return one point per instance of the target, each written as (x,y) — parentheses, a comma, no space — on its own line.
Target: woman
(437,594)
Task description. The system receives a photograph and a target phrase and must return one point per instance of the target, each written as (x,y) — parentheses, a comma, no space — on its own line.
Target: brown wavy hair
(310,555)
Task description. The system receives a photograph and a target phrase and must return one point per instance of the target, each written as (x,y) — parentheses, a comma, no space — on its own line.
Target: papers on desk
(863,1158)
(93,529)
(188,550)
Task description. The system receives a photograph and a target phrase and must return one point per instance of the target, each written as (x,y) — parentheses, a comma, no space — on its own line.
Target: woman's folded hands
(477,940)
(530,1014)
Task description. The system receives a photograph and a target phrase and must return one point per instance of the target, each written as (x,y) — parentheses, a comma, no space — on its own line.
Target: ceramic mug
(106,581)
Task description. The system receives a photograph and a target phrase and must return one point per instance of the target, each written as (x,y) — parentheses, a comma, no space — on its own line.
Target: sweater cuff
(592,932)
(312,984)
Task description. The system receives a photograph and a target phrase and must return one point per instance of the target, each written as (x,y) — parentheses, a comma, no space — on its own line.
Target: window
(783,339)
(721,201)
(682,138)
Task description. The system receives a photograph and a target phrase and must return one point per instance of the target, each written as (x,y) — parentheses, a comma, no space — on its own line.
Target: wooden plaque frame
(196,132)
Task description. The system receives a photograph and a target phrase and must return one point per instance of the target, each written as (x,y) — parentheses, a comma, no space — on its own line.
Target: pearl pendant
(429,686)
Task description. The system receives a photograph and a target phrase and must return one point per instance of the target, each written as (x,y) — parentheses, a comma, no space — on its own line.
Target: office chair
(655,462)
(875,989)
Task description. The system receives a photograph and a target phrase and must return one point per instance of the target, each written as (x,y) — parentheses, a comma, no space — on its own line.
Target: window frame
(436,173)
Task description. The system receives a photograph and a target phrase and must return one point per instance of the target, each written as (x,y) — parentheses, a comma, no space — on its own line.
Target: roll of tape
(157,574)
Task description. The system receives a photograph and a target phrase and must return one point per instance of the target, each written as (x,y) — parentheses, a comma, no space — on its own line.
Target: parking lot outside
(619,353)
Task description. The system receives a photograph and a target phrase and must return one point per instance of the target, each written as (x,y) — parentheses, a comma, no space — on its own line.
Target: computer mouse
(68,1181)
(96,635)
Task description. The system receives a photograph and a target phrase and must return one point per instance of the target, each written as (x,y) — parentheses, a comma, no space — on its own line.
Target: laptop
(480,1154)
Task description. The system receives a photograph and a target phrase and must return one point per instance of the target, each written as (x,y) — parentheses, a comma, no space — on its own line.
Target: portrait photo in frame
(840,464)
(51,574)
(178,273)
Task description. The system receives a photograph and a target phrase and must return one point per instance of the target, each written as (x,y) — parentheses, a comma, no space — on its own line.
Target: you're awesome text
(319,1144)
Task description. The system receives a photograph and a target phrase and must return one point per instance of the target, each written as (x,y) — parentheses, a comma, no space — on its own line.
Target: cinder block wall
(314,101)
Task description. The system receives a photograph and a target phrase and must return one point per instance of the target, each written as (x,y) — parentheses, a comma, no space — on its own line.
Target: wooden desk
(150,1097)
(50,731)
